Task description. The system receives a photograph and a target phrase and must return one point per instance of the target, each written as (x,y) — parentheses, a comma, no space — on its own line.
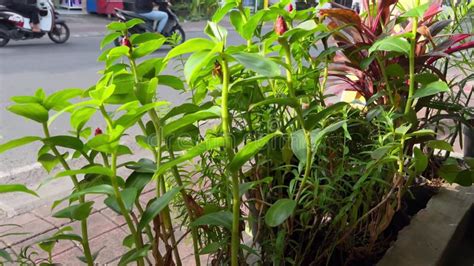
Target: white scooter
(15,26)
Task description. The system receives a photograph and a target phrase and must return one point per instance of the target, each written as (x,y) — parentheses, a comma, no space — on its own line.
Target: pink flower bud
(290,7)
(126,42)
(98,131)
(280,26)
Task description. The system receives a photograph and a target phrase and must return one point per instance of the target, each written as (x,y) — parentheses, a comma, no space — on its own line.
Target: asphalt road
(28,65)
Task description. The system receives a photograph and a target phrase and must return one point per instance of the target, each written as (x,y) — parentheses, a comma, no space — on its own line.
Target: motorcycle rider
(145,9)
(28,10)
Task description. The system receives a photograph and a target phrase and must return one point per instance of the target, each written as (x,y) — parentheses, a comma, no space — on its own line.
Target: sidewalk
(106,232)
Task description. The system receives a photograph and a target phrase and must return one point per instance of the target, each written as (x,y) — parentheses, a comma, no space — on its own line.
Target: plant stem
(235,239)
(194,232)
(123,209)
(118,196)
(299,116)
(157,154)
(411,89)
(84,232)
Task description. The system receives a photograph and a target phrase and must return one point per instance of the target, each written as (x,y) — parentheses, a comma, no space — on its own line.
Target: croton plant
(262,164)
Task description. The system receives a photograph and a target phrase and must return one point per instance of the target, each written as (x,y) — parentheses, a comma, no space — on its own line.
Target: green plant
(260,162)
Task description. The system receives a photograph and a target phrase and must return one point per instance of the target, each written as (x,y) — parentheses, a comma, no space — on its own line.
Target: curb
(428,237)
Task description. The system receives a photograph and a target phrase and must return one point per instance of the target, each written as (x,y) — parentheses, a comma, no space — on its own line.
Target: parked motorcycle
(15,26)
(172,27)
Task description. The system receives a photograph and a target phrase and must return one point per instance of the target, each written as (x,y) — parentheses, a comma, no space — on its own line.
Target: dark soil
(412,203)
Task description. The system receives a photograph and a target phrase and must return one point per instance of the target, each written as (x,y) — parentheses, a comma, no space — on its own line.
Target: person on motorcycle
(145,9)
(28,10)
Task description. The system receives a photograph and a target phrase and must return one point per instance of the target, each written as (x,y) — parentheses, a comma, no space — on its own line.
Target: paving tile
(97,224)
(111,245)
(44,212)
(113,216)
(21,219)
(31,229)
(69,257)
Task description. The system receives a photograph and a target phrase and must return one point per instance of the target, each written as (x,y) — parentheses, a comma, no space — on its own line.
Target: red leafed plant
(356,68)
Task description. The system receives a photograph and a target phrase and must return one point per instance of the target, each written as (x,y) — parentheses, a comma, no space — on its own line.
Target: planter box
(437,233)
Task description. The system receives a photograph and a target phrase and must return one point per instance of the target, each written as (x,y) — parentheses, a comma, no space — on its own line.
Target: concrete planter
(440,234)
(468,138)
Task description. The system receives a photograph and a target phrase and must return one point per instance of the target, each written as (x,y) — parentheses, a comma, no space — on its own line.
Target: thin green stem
(235,238)
(84,232)
(411,89)
(123,209)
(299,116)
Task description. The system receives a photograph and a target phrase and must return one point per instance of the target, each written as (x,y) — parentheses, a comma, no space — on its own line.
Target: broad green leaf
(440,145)
(109,38)
(279,101)
(9,188)
(216,32)
(75,212)
(199,60)
(319,135)
(171,81)
(244,187)
(431,89)
(144,37)
(65,141)
(79,117)
(449,171)
(90,170)
(156,206)
(258,64)
(421,132)
(48,161)
(146,91)
(138,180)
(72,237)
(187,119)
(99,189)
(379,153)
(391,44)
(416,12)
(465,178)
(250,150)
(220,218)
(17,143)
(237,21)
(279,212)
(190,46)
(314,118)
(421,160)
(134,255)
(184,108)
(222,11)
(249,28)
(133,22)
(26,99)
(199,149)
(147,48)
(211,248)
(31,111)
(91,103)
(129,196)
(59,100)
(101,94)
(117,26)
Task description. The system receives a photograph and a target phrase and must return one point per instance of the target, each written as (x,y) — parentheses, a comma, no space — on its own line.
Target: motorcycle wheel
(180,34)
(60,33)
(3,37)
